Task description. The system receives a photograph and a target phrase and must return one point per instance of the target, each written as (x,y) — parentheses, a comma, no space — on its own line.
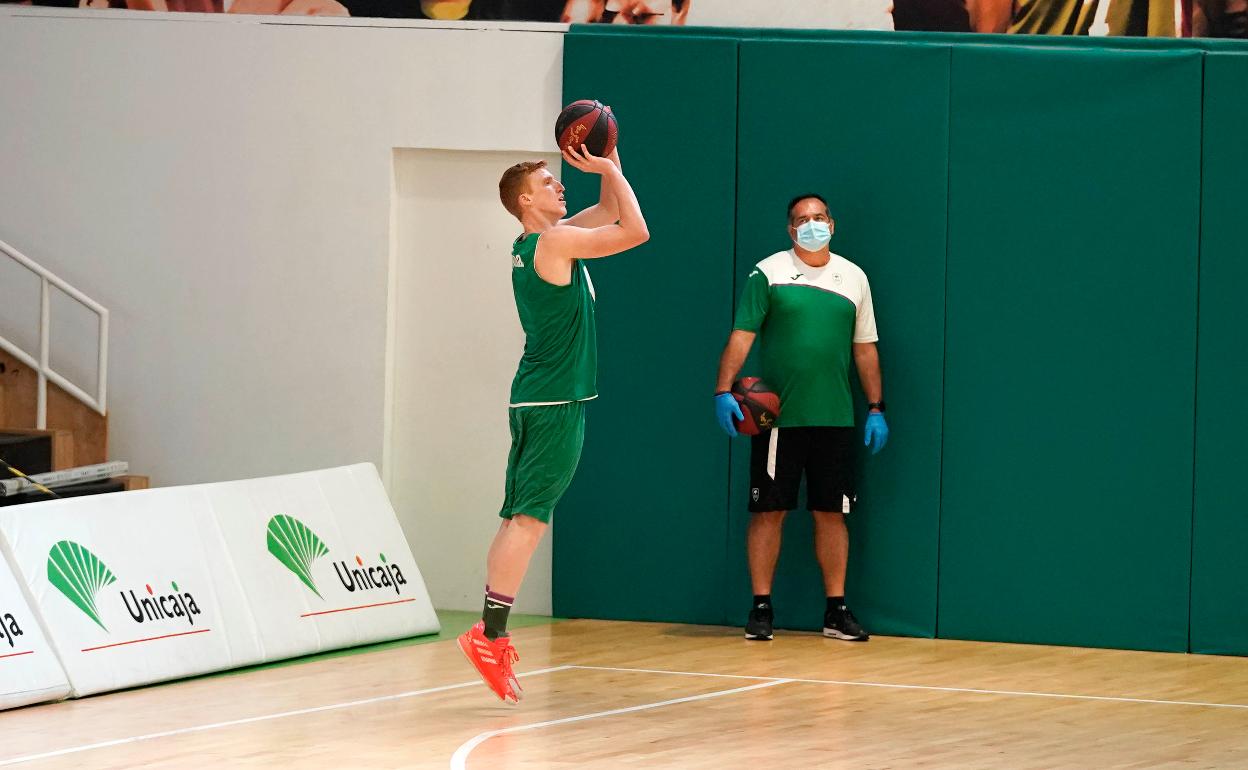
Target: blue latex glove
(726,407)
(876,433)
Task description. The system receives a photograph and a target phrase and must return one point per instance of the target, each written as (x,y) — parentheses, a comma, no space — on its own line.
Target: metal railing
(41,363)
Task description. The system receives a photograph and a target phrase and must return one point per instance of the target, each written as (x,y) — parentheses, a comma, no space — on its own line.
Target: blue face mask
(813,235)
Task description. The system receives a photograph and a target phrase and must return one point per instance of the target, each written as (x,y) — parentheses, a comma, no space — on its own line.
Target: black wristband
(876,405)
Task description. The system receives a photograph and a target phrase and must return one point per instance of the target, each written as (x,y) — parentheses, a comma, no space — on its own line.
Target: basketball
(588,122)
(759,403)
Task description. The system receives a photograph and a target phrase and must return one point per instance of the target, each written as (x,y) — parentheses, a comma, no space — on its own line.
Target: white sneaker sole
(833,633)
(758,637)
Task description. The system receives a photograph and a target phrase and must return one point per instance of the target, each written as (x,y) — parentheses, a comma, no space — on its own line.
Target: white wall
(457,340)
(223,186)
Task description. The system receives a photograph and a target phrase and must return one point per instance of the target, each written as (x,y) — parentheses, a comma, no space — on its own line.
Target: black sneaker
(841,624)
(758,627)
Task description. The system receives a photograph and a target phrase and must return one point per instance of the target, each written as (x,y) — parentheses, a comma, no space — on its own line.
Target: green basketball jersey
(807,319)
(560,361)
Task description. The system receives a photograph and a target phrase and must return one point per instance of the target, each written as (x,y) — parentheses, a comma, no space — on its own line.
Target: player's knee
(527,526)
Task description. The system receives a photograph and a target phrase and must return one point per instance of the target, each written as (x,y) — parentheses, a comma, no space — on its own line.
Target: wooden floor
(605,695)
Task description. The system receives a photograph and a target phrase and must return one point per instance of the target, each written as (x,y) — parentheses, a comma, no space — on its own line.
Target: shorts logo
(754,494)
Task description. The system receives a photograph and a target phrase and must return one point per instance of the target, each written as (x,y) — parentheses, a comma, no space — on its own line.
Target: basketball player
(813,310)
(556,376)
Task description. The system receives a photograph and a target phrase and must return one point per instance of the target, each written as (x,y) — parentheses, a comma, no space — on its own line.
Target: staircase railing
(41,362)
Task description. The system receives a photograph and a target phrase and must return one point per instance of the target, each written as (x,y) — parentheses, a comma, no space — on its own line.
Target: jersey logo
(836,278)
(794,278)
(516,261)
(752,273)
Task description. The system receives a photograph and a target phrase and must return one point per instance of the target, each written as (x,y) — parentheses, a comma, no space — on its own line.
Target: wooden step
(19,388)
(62,445)
(133,482)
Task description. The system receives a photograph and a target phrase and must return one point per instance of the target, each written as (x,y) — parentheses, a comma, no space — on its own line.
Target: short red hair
(514,182)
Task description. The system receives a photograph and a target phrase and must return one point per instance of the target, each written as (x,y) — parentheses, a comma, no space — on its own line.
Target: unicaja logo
(296,546)
(364,578)
(161,606)
(9,629)
(79,575)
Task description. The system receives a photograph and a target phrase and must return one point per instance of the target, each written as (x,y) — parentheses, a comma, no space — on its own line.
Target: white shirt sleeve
(864,325)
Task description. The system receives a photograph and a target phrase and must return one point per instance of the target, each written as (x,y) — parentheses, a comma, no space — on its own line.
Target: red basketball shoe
(493,661)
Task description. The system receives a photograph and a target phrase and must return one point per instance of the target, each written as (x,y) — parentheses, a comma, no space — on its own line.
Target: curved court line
(886,685)
(460,758)
(252,720)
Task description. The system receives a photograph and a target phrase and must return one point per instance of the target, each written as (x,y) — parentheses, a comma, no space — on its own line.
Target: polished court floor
(610,694)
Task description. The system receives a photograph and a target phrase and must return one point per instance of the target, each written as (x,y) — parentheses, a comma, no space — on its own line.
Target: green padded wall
(1069,403)
(1219,580)
(640,535)
(865,125)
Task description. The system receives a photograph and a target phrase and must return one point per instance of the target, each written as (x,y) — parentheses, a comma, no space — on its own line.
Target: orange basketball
(587,122)
(759,404)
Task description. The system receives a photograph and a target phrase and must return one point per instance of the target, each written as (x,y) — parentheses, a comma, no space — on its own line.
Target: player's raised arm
(568,242)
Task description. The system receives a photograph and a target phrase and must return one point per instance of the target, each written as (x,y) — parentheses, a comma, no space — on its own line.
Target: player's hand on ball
(586,161)
(876,433)
(726,407)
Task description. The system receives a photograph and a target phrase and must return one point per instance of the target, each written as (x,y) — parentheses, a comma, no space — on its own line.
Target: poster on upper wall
(1141,18)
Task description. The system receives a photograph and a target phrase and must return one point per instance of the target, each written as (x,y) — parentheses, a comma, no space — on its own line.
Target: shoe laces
(507,657)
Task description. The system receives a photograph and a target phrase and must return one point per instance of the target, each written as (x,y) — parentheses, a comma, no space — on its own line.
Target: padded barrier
(140,587)
(29,670)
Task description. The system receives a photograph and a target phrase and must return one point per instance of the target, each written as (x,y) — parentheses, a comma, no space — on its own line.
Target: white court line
(262,718)
(971,690)
(460,758)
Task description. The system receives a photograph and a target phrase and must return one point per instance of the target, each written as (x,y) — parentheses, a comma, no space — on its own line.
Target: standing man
(813,310)
(557,375)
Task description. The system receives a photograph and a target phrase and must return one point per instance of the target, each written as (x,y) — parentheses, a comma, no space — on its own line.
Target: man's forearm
(868,364)
(733,358)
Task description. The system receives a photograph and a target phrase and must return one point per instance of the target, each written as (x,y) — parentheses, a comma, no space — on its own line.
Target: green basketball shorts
(546,446)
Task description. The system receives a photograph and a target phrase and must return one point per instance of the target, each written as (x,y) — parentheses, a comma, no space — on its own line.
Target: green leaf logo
(296,547)
(79,574)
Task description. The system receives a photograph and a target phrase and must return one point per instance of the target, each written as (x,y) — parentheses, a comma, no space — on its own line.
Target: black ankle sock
(836,603)
(497,608)
(762,601)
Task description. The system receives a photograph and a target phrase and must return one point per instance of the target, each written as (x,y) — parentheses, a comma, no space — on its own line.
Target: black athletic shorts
(778,457)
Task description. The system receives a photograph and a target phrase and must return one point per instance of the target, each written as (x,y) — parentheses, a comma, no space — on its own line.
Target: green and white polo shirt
(806,318)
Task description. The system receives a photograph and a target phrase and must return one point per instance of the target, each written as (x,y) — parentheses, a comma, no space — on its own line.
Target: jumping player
(557,375)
